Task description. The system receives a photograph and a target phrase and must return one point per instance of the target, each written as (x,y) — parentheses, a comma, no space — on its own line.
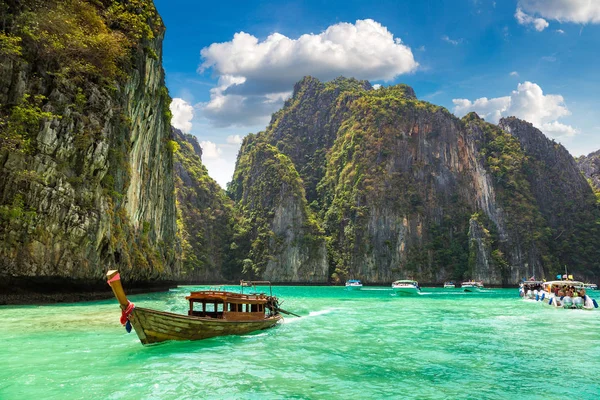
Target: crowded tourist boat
(211,313)
(353,284)
(565,293)
(406,286)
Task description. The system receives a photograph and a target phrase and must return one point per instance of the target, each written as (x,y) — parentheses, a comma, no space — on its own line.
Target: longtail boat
(211,313)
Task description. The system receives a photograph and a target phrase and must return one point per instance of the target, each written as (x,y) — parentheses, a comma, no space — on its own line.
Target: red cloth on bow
(127,312)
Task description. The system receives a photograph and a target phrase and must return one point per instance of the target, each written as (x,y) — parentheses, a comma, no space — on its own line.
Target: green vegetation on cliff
(74,78)
(403,188)
(306,127)
(503,157)
(205,216)
(370,195)
(277,235)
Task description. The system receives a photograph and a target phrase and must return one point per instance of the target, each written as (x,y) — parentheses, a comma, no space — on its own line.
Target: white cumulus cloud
(255,77)
(576,11)
(529,103)
(234,139)
(210,150)
(525,19)
(514,73)
(183,113)
(219,158)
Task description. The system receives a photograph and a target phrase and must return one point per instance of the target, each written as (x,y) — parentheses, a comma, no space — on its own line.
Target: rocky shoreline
(44,290)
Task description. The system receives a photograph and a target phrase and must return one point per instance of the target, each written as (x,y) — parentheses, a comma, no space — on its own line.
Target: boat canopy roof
(564,283)
(526,283)
(226,297)
(405,281)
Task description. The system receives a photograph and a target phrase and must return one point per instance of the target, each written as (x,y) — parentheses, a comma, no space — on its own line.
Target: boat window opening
(219,307)
(254,307)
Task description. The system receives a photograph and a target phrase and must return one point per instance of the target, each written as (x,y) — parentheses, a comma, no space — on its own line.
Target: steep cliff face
(590,167)
(519,237)
(564,197)
(408,190)
(277,237)
(86,179)
(205,217)
(406,177)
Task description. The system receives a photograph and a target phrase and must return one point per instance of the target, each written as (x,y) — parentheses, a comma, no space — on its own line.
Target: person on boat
(559,297)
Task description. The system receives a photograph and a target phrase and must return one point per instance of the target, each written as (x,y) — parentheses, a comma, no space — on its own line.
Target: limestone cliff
(306,127)
(277,236)
(86,179)
(405,189)
(205,217)
(590,168)
(564,197)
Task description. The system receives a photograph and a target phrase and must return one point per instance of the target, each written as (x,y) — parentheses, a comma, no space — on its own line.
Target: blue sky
(536,59)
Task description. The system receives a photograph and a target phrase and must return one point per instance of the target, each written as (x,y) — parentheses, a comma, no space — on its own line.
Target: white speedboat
(406,286)
(353,284)
(568,294)
(449,285)
(471,286)
(590,286)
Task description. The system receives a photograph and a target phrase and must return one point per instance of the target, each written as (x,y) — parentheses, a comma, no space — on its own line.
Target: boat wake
(310,314)
(255,335)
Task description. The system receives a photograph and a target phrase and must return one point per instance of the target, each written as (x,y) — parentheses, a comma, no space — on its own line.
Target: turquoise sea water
(369,344)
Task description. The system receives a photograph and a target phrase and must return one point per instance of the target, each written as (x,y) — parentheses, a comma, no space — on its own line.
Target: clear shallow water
(369,344)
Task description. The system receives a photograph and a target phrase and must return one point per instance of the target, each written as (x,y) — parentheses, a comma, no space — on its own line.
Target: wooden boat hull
(154,326)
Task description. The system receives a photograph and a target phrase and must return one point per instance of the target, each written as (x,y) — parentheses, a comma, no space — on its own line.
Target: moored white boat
(406,286)
(471,286)
(353,284)
(590,286)
(449,285)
